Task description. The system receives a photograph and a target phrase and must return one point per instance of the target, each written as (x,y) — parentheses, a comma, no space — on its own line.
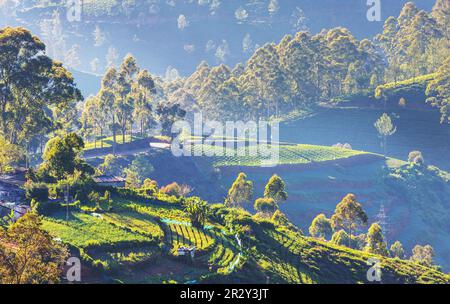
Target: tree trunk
(124,131)
(114,135)
(131,131)
(101,137)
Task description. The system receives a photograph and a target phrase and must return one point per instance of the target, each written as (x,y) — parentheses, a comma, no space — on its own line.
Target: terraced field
(258,155)
(111,241)
(138,223)
(183,235)
(289,266)
(225,256)
(214,249)
(83,230)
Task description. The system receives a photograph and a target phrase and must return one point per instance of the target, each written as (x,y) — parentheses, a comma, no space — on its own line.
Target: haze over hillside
(217,31)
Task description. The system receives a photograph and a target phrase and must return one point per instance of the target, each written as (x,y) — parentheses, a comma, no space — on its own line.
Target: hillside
(129,244)
(141,34)
(318,177)
(418,128)
(402,190)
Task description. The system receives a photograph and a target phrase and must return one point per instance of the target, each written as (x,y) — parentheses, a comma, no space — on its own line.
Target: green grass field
(83,230)
(108,141)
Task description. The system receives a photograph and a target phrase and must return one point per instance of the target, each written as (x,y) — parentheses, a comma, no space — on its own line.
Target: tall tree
(62,157)
(94,118)
(241,191)
(349,215)
(438,91)
(397,250)
(423,255)
(124,103)
(30,84)
(265,79)
(375,241)
(388,42)
(385,128)
(298,58)
(441,13)
(143,108)
(276,189)
(9,154)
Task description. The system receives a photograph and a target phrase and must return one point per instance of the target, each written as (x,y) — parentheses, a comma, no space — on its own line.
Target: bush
(48,207)
(416,157)
(36,191)
(172,189)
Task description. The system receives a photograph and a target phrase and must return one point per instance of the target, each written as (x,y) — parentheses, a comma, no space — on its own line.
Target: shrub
(36,191)
(172,189)
(149,183)
(48,207)
(416,157)
(113,165)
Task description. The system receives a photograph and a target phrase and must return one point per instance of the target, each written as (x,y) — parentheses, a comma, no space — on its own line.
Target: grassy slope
(127,242)
(410,87)
(108,141)
(317,177)
(321,262)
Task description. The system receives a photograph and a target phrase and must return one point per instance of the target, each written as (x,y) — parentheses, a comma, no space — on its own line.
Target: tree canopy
(375,241)
(321,227)
(9,154)
(241,191)
(36,92)
(62,157)
(439,91)
(266,205)
(28,254)
(275,189)
(349,215)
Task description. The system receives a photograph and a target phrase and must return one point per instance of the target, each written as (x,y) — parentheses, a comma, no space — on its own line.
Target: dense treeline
(127,99)
(416,43)
(38,95)
(298,73)
(303,70)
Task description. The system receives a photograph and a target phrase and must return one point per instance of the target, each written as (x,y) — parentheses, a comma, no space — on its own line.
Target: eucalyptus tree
(143,107)
(107,101)
(276,189)
(241,191)
(94,118)
(124,103)
(385,128)
(438,91)
(31,85)
(349,215)
(375,241)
